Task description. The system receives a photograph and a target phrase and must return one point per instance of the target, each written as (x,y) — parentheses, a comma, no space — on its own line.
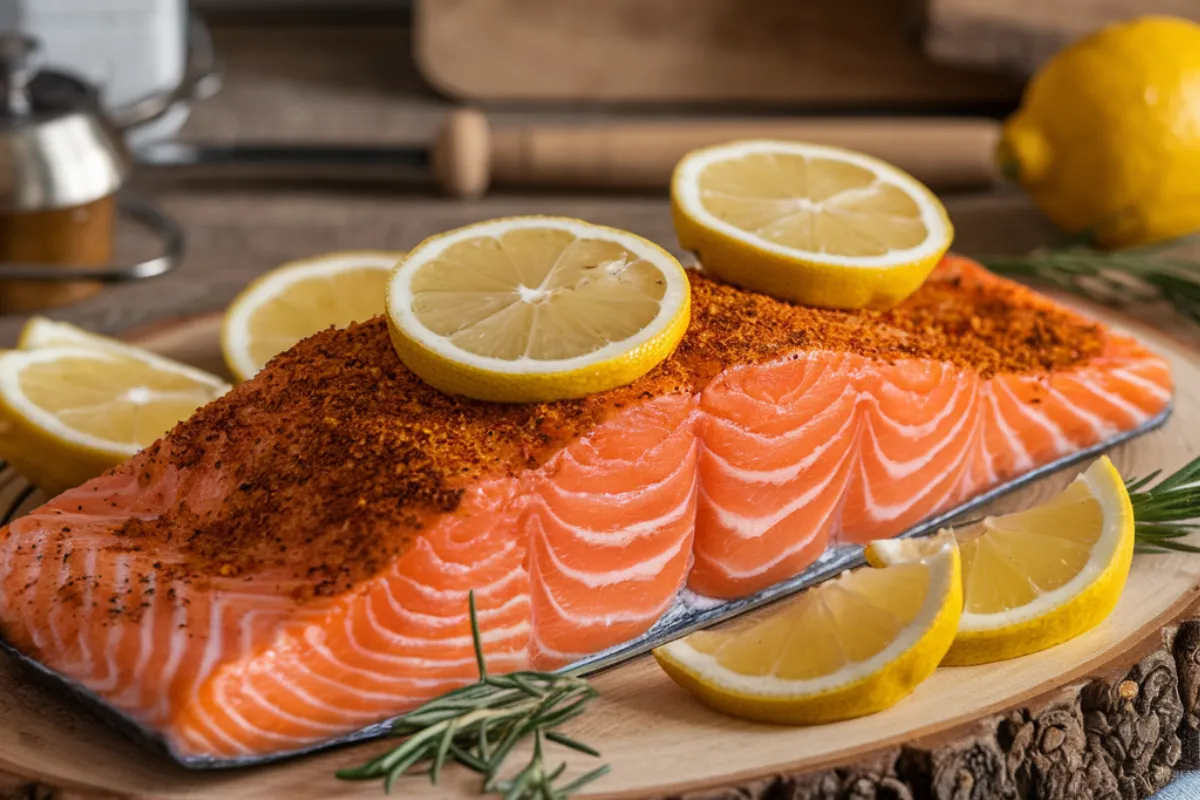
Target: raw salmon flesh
(293,562)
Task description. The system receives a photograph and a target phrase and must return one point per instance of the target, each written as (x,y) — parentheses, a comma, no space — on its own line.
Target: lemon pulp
(812,224)
(75,403)
(847,620)
(812,204)
(536,308)
(300,298)
(1010,561)
(537,294)
(1039,577)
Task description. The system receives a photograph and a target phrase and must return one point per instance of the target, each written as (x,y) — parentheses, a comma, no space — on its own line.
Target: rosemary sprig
(1112,276)
(479,726)
(1166,512)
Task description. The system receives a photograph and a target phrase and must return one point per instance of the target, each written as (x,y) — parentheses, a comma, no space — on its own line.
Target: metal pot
(63,166)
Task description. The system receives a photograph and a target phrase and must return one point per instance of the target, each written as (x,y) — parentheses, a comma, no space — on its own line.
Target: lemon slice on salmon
(1038,577)
(300,298)
(69,411)
(808,223)
(529,309)
(849,647)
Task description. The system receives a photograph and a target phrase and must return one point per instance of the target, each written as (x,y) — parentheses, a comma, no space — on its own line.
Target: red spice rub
(322,454)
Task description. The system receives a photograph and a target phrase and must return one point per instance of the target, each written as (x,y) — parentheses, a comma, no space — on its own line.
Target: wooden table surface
(357,85)
(233,235)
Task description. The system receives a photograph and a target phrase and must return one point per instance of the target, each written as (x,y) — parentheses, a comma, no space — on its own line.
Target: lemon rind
(452,378)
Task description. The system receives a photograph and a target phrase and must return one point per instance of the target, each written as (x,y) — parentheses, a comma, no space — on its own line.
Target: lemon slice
(300,298)
(851,646)
(808,223)
(1039,577)
(530,309)
(41,332)
(69,412)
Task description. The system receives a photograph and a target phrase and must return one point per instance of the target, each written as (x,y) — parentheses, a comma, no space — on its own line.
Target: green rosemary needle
(479,725)
(1111,276)
(1168,511)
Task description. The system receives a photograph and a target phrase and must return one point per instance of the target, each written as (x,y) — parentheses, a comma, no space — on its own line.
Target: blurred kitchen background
(279,129)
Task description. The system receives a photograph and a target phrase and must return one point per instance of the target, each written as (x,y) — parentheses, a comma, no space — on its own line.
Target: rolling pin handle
(462,154)
(946,153)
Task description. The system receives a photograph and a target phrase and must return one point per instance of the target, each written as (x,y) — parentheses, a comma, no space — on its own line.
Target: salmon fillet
(293,562)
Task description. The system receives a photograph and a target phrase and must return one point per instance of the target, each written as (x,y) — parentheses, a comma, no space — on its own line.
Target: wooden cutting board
(781,52)
(1113,710)
(1017,36)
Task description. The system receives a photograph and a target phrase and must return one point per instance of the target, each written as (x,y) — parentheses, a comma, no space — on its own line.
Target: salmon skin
(290,567)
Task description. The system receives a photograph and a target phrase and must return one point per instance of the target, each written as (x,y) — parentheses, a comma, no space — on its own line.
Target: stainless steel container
(63,168)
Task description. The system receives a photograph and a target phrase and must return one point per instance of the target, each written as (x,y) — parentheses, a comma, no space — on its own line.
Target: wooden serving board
(783,52)
(1108,714)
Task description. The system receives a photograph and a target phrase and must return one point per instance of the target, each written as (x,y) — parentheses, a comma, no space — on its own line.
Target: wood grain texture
(1018,36)
(1116,735)
(293,84)
(356,84)
(1109,714)
(686,51)
(236,233)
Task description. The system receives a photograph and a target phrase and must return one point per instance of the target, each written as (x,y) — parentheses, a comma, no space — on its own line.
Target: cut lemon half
(808,223)
(531,309)
(1039,577)
(300,298)
(68,412)
(849,647)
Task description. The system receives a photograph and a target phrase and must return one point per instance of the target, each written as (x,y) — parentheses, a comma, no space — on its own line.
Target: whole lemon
(1107,137)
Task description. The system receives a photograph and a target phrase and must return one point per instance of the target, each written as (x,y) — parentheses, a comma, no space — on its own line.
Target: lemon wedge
(1038,577)
(849,647)
(812,224)
(530,309)
(41,332)
(300,298)
(71,409)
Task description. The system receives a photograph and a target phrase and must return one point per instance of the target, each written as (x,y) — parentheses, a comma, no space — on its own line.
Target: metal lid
(56,148)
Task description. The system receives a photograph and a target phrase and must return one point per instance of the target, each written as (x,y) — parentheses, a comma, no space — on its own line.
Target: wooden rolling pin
(469,156)
(945,153)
